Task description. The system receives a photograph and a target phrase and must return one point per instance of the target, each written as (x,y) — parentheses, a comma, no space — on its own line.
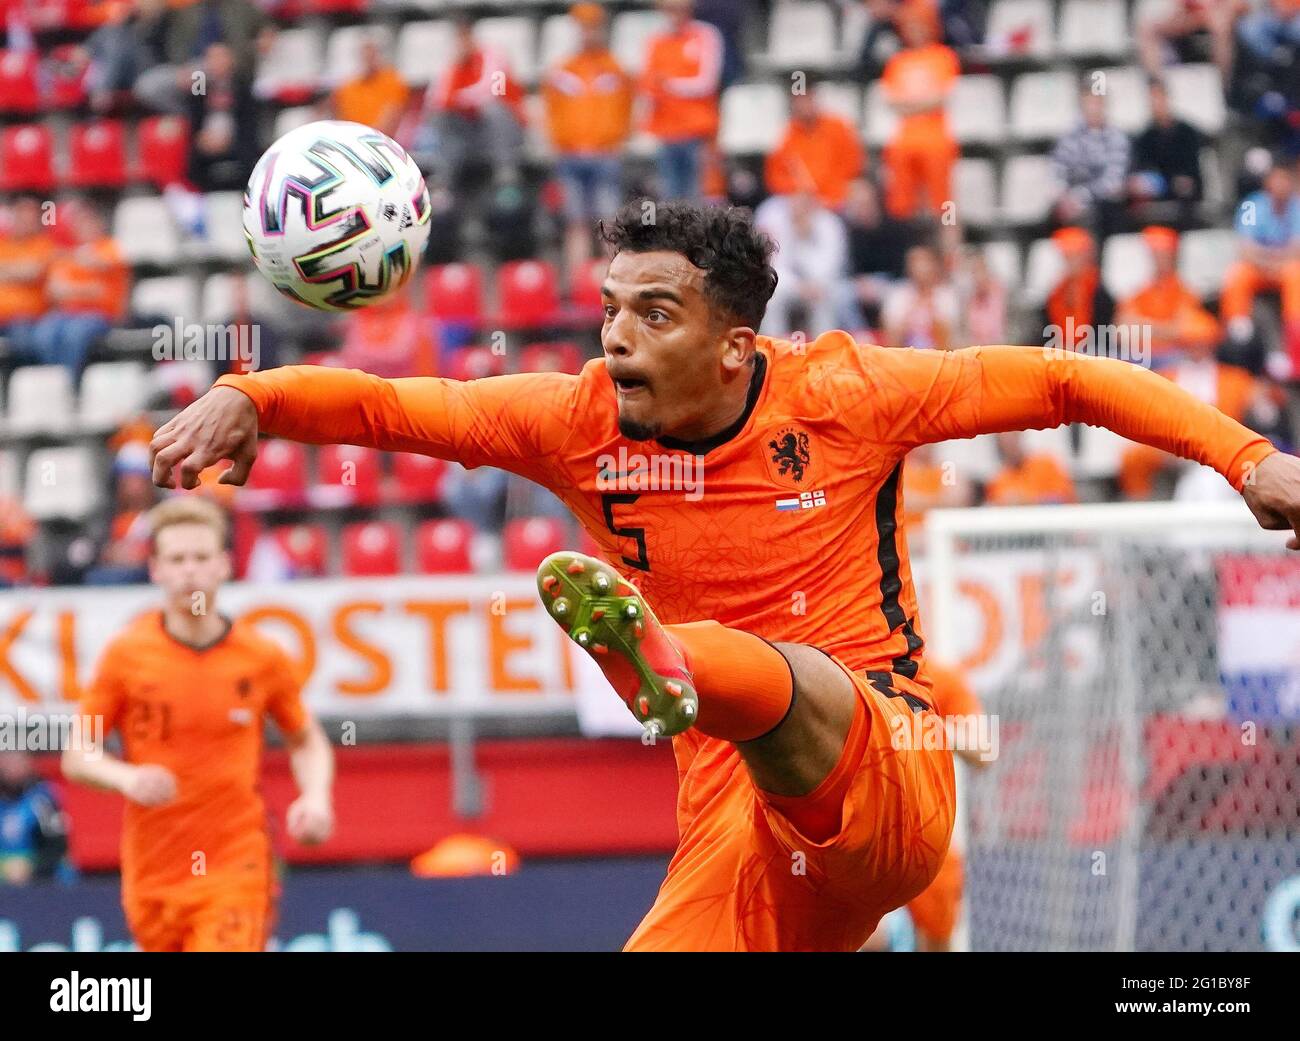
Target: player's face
(188,559)
(669,356)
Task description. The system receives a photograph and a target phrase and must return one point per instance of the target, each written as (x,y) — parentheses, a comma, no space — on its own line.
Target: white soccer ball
(336,215)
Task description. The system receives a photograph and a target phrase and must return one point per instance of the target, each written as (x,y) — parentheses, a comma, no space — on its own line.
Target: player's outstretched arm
(310,818)
(509,421)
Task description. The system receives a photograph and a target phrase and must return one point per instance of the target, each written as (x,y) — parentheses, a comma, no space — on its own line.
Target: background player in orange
(188,690)
(800,822)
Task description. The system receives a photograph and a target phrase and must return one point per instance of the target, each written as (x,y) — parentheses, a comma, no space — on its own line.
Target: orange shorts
(934,912)
(224,920)
(744,878)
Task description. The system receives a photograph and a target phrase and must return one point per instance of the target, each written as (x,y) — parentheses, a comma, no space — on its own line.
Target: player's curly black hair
(722,241)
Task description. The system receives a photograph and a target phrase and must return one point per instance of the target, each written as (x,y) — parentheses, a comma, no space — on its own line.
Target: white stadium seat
(1020,28)
(1196,95)
(40,401)
(62,484)
(879,120)
(801,35)
(343,51)
(10,481)
(975,458)
(1093,27)
(558,41)
(629,34)
(168,298)
(1100,452)
(754,116)
(294,61)
(225,223)
(977,110)
(1204,258)
(1128,100)
(976,189)
(516,39)
(1044,105)
(112,392)
(1055,441)
(1003,259)
(218,301)
(144,231)
(292,118)
(1044,267)
(423,50)
(841,97)
(1028,189)
(1126,265)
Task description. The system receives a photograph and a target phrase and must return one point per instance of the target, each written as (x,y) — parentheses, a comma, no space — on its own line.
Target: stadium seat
(1019,29)
(97,155)
(162,146)
(343,50)
(454,293)
(347,475)
(1028,189)
(20,92)
(473,363)
(62,483)
(585,302)
(423,49)
(550,357)
(11,484)
(279,480)
(335,7)
(842,97)
(305,547)
(219,296)
(1196,95)
(417,478)
(443,547)
(1044,105)
(975,185)
(527,540)
(165,299)
(66,67)
(111,393)
(145,233)
(1003,259)
(879,121)
(40,401)
(225,226)
(1093,28)
(557,41)
(1125,265)
(515,38)
(291,71)
(972,457)
(292,118)
(1204,258)
(1128,103)
(800,35)
(27,159)
(977,110)
(371,548)
(754,116)
(1100,453)
(1054,441)
(629,35)
(1044,267)
(527,294)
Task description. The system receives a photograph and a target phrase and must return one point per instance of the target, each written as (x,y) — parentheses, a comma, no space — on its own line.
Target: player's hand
(220,425)
(150,785)
(1272,491)
(310,820)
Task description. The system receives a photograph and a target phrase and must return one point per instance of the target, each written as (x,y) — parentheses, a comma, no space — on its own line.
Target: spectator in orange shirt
(1027,479)
(377,98)
(589,116)
(820,152)
(87,290)
(920,157)
(1079,301)
(1166,306)
(477,113)
(930,482)
(25,255)
(681,81)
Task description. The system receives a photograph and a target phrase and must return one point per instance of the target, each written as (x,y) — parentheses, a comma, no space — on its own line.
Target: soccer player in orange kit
(800,824)
(188,690)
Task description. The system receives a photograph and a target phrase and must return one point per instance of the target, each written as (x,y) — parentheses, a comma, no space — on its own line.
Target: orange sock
(744,684)
(817,814)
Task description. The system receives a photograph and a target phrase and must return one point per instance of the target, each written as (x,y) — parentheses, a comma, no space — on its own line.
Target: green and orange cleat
(606,616)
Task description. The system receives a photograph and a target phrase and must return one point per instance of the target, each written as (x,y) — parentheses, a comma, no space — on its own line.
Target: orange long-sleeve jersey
(823,157)
(682,78)
(588,103)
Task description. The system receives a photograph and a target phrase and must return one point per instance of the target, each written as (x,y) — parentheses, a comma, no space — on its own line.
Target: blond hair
(187,509)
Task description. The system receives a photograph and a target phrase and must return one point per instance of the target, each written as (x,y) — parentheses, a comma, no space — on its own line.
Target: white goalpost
(1142,664)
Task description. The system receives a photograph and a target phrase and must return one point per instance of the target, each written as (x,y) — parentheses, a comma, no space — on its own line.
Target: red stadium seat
(66,68)
(334,6)
(442,547)
(527,293)
(550,357)
(418,478)
(473,363)
(306,547)
(279,479)
(162,149)
(454,293)
(526,540)
(97,155)
(585,301)
(372,548)
(26,159)
(20,93)
(347,475)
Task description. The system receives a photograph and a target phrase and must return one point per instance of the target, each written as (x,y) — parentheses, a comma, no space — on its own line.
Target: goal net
(1141,664)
